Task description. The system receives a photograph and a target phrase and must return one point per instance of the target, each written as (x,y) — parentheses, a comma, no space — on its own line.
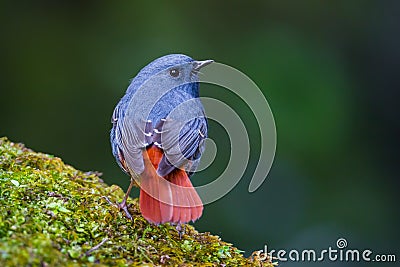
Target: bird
(158,134)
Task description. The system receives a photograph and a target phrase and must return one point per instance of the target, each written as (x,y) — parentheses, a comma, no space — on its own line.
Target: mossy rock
(54,215)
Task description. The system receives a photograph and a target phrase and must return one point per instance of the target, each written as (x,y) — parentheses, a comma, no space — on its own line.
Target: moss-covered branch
(54,215)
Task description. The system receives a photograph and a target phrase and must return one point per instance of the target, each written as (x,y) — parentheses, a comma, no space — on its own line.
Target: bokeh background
(329,70)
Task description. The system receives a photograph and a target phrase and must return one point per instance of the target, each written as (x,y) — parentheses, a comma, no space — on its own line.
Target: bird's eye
(174,72)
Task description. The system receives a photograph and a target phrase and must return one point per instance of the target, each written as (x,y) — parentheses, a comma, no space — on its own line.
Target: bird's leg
(123,206)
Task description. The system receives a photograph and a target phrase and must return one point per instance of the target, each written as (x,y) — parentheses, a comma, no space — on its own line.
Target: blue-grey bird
(157,137)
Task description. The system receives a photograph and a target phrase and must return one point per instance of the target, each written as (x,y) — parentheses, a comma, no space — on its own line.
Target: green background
(328,69)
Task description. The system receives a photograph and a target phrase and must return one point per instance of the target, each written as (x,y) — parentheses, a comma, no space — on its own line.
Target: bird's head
(172,71)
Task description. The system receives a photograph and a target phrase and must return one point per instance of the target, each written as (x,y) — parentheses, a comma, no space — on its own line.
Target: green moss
(54,215)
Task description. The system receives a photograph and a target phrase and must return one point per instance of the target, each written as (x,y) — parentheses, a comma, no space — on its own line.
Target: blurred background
(328,69)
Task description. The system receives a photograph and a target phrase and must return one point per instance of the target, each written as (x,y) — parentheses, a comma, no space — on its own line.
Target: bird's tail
(167,199)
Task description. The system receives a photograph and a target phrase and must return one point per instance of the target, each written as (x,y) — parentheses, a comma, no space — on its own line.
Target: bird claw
(120,206)
(124,207)
(181,228)
(109,201)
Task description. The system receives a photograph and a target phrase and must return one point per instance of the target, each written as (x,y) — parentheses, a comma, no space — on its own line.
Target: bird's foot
(109,201)
(181,228)
(121,206)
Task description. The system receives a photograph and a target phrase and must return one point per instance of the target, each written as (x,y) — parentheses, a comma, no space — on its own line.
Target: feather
(167,199)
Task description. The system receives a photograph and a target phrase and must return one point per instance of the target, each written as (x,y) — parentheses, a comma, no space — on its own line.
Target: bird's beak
(197,65)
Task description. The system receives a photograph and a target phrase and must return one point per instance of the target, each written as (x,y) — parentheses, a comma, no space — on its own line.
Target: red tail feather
(167,199)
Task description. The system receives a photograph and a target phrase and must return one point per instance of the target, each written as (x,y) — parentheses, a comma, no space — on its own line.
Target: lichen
(54,215)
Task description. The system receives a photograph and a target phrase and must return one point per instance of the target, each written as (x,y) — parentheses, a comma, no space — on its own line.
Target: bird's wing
(182,142)
(128,138)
